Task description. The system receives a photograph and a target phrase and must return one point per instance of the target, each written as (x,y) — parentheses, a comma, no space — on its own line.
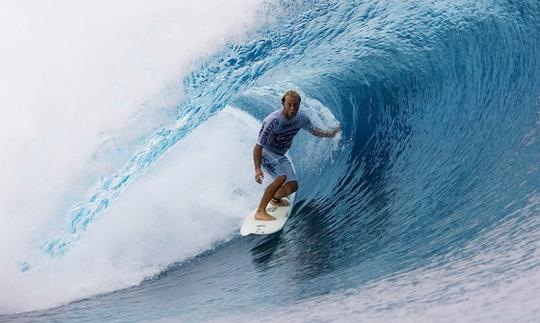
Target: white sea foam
(194,196)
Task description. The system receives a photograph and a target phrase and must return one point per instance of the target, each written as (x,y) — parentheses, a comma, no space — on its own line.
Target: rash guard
(277,132)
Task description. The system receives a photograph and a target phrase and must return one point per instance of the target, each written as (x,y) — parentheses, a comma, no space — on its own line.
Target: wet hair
(291,93)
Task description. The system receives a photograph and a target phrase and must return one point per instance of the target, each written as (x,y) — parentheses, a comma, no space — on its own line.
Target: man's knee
(280,180)
(292,186)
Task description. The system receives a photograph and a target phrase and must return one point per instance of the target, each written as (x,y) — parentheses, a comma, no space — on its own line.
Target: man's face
(291,106)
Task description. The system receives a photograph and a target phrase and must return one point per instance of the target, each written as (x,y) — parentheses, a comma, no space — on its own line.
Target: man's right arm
(257,155)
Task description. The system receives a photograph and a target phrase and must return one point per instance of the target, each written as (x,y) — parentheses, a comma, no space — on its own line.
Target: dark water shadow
(265,248)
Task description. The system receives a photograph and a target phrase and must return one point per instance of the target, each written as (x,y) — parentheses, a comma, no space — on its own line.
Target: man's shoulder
(303,117)
(304,121)
(302,114)
(275,115)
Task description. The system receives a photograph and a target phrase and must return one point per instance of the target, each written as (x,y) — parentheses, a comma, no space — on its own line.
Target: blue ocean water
(435,177)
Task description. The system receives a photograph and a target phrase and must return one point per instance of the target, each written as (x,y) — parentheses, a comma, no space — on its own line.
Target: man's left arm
(318,132)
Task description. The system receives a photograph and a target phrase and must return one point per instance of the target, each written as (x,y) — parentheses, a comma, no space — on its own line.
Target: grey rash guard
(277,132)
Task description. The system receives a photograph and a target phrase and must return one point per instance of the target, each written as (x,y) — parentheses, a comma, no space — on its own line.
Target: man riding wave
(275,138)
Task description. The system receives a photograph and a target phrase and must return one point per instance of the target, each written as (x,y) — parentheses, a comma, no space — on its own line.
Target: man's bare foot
(279,202)
(263,216)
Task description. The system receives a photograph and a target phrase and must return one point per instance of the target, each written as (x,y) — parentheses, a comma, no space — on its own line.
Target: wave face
(429,201)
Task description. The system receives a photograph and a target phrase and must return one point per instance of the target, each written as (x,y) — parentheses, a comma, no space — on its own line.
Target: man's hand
(334,132)
(257,154)
(259,176)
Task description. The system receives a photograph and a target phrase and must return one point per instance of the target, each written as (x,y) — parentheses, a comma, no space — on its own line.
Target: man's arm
(257,155)
(326,133)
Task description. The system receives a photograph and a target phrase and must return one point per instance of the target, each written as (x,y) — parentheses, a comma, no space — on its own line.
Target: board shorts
(277,165)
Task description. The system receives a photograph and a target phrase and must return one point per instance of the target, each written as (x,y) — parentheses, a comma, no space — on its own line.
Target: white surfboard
(253,226)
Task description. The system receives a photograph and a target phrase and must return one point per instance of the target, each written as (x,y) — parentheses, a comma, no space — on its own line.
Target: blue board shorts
(277,165)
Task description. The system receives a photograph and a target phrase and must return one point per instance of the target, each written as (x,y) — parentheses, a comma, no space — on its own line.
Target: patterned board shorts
(277,165)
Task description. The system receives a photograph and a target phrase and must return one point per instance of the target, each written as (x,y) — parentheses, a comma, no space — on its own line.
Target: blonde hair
(291,93)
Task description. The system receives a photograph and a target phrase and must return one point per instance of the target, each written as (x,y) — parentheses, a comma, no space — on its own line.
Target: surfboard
(253,226)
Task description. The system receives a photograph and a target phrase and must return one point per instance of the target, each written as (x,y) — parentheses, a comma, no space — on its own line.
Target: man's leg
(269,192)
(285,190)
(289,187)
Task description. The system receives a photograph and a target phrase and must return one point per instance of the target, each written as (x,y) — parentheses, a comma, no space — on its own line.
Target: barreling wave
(439,104)
(434,98)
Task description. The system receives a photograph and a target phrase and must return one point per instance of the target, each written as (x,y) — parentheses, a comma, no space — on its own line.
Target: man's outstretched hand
(335,131)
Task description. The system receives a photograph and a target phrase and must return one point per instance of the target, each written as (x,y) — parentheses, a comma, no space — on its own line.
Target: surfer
(275,138)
